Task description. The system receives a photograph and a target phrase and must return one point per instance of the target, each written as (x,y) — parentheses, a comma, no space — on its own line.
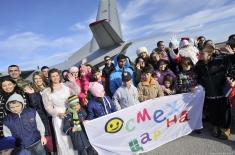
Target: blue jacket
(79,138)
(115,80)
(23,127)
(97,109)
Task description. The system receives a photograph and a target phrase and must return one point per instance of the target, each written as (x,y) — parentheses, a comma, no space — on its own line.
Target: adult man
(45,71)
(230,46)
(14,72)
(200,42)
(121,64)
(211,72)
(107,70)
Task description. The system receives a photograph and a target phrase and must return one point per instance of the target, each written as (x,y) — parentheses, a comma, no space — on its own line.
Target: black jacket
(35,102)
(212,76)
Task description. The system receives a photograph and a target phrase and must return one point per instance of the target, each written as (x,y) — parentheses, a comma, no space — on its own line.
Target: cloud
(24,43)
(78,27)
(29,49)
(49,60)
(83,25)
(172,16)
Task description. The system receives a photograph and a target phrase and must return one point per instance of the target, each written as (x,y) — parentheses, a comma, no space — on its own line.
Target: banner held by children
(148,125)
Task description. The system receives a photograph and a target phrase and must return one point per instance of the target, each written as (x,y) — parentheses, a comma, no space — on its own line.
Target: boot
(215,131)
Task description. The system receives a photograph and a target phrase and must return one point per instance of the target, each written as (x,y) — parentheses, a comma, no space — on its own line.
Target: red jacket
(232,98)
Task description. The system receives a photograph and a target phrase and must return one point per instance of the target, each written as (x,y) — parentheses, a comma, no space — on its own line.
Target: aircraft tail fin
(105,35)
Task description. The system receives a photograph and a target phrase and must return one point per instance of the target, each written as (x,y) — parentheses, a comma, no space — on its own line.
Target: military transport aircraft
(107,39)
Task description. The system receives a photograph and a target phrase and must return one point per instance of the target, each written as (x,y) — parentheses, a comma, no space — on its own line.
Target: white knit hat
(141,50)
(73,69)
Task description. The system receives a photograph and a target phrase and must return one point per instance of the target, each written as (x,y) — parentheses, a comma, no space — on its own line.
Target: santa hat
(96,89)
(184,42)
(73,69)
(141,50)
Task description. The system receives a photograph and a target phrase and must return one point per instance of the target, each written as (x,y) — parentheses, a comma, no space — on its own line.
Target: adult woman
(39,85)
(38,82)
(54,99)
(8,87)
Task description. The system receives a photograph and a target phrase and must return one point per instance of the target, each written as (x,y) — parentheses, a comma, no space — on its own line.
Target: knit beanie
(96,89)
(141,50)
(72,101)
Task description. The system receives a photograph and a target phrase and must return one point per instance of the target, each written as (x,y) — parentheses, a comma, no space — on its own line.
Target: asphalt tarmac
(197,144)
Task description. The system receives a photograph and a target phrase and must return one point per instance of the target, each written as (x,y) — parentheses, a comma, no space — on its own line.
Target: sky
(46,32)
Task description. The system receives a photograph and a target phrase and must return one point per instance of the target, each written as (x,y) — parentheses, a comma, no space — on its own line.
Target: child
(187,78)
(83,82)
(73,126)
(162,71)
(127,94)
(25,125)
(149,88)
(99,104)
(168,87)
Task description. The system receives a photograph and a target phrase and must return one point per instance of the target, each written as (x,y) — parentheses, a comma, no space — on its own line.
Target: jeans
(37,149)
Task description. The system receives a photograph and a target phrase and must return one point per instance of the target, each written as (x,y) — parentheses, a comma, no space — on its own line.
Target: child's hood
(15,97)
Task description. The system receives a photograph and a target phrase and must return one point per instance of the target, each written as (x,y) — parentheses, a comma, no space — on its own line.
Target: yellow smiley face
(114,125)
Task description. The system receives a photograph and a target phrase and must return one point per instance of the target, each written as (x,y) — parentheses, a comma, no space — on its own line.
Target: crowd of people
(46,115)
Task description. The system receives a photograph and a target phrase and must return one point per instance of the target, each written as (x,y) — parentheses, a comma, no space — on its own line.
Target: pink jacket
(83,82)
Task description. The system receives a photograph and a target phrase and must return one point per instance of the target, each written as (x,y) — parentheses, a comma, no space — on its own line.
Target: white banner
(148,125)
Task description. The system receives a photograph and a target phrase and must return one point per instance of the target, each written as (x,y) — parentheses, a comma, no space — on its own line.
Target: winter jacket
(115,80)
(97,109)
(159,76)
(37,104)
(107,71)
(24,127)
(79,138)
(106,74)
(125,97)
(232,98)
(212,75)
(83,83)
(149,90)
(186,80)
(3,112)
